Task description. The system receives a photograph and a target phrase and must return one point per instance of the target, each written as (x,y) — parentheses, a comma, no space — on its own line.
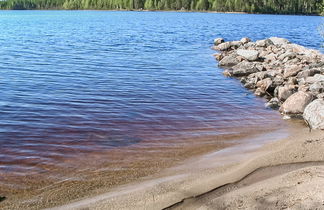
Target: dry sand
(288,173)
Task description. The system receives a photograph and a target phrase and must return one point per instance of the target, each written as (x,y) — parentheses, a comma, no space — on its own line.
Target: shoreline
(81,185)
(209,172)
(180,11)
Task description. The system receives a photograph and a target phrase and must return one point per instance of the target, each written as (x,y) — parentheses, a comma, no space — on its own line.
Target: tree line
(249,6)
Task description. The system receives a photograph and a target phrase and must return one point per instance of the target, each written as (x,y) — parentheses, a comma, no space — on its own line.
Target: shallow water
(83,84)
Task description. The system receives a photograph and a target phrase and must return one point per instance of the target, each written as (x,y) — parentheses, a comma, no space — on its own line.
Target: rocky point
(289,76)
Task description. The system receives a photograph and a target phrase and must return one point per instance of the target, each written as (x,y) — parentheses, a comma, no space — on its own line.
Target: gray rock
(229,61)
(245,40)
(264,43)
(244,68)
(278,80)
(264,84)
(279,41)
(274,103)
(292,70)
(317,87)
(287,55)
(315,78)
(218,41)
(307,73)
(250,55)
(236,44)
(223,46)
(284,92)
(218,56)
(314,114)
(296,103)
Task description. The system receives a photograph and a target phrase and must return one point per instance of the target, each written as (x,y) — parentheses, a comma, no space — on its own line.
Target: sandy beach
(287,173)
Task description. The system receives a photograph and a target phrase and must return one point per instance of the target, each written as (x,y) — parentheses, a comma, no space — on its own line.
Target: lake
(106,92)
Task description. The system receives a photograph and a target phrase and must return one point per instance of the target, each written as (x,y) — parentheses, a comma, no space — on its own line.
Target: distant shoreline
(181,11)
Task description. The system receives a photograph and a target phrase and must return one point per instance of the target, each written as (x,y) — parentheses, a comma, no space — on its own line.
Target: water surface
(77,85)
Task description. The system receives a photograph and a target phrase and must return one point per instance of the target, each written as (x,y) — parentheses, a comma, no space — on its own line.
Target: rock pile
(290,76)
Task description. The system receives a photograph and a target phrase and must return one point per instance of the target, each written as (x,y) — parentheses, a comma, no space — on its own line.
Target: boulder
(317,87)
(284,93)
(314,114)
(307,73)
(236,44)
(279,41)
(292,70)
(229,61)
(223,46)
(218,41)
(245,40)
(250,55)
(274,103)
(244,68)
(296,103)
(264,84)
(287,55)
(264,43)
(315,78)
(218,56)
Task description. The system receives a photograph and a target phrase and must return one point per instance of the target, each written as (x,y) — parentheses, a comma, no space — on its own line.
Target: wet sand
(239,177)
(92,174)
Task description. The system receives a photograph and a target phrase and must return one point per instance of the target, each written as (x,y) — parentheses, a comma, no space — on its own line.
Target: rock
(279,41)
(292,81)
(250,55)
(278,80)
(284,93)
(287,55)
(218,41)
(223,46)
(317,87)
(259,92)
(265,85)
(227,73)
(307,73)
(274,103)
(229,61)
(292,70)
(218,56)
(315,78)
(296,103)
(244,68)
(236,44)
(264,43)
(314,114)
(245,40)
(320,96)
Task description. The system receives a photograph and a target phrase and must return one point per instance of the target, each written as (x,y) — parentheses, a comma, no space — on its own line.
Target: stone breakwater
(289,76)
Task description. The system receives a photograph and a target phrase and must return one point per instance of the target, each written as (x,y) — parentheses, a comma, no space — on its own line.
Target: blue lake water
(74,82)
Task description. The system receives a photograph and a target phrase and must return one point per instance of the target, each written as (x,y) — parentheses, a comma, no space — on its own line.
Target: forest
(314,7)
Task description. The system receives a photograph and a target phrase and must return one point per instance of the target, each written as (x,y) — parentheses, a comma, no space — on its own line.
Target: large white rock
(250,55)
(296,103)
(279,41)
(314,114)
